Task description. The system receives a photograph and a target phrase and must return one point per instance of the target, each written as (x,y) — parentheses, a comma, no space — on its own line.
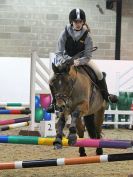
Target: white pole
(116,119)
(32,89)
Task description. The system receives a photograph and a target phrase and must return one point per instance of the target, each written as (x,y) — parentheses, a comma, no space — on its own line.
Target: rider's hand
(76,62)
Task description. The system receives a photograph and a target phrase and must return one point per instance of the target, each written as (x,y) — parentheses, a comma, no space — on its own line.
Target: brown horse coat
(78,96)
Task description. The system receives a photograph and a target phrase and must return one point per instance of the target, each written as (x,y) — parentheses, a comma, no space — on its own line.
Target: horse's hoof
(83,155)
(72,139)
(57,146)
(57,143)
(99,151)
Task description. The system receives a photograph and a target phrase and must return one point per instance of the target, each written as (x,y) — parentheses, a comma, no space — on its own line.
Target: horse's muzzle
(61,99)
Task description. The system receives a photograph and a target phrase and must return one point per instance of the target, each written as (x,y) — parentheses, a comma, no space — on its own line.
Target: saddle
(90,73)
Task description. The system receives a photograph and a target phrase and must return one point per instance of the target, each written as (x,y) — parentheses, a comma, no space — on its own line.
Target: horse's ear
(55,68)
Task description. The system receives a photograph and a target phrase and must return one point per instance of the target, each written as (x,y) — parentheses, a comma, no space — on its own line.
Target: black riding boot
(51,108)
(104,90)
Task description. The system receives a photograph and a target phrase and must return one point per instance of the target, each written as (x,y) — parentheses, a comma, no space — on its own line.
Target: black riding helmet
(77,14)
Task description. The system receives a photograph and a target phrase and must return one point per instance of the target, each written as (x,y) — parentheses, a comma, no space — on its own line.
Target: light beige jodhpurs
(95,68)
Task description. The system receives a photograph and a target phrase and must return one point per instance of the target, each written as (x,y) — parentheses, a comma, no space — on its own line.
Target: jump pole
(121,144)
(25,111)
(66,161)
(13,121)
(14,104)
(13,126)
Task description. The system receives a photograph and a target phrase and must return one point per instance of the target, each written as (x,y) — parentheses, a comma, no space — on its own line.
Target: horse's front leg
(72,137)
(60,126)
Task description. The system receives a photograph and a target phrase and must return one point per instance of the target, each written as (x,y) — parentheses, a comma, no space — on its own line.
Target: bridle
(67,98)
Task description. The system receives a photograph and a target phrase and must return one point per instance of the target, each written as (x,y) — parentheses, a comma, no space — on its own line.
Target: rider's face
(77,24)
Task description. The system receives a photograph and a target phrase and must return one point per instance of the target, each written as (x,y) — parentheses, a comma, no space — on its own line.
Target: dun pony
(77,95)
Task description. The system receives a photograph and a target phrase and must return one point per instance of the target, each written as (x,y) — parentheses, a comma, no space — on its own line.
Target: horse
(77,95)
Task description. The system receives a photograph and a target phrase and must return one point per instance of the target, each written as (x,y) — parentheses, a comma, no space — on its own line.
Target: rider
(72,41)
